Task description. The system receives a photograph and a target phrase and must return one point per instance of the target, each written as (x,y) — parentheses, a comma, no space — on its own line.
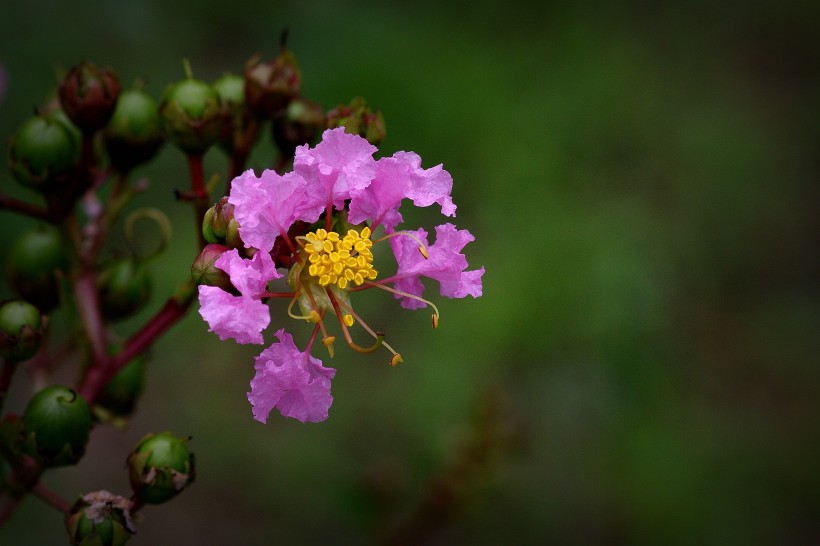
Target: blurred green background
(642,181)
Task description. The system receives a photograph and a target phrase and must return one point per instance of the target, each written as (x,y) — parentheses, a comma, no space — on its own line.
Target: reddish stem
(199,194)
(21,207)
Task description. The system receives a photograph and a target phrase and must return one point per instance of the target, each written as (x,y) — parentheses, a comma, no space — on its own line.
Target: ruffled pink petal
(339,165)
(399,177)
(237,317)
(446,264)
(248,276)
(292,381)
(267,206)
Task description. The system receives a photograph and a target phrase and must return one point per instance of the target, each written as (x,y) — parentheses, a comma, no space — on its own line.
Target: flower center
(336,260)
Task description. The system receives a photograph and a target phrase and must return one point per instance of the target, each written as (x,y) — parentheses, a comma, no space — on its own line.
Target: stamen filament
(353,345)
(367,328)
(436,314)
(422,248)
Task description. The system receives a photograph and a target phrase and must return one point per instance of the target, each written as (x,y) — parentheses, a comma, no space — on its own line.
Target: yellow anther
(328,342)
(366,233)
(341,283)
(348,320)
(333,236)
(327,246)
(314,316)
(424,252)
(435,321)
(324,280)
(337,260)
(396,359)
(321,233)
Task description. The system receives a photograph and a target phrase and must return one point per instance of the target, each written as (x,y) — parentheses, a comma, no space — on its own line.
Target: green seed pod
(42,153)
(89,95)
(35,260)
(297,124)
(358,119)
(190,115)
(160,468)
(124,287)
(120,395)
(57,423)
(21,330)
(100,519)
(134,134)
(19,471)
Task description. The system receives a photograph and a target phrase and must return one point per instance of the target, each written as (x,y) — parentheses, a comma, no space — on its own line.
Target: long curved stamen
(436,314)
(370,331)
(422,248)
(353,345)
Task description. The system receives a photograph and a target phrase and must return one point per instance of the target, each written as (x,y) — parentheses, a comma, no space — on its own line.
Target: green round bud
(298,124)
(124,287)
(89,95)
(100,519)
(134,134)
(190,115)
(203,270)
(235,118)
(120,395)
(21,330)
(358,119)
(35,260)
(232,237)
(57,423)
(42,153)
(160,468)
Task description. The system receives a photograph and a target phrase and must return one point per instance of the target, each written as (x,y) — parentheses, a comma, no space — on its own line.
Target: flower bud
(120,395)
(203,270)
(235,118)
(21,330)
(35,260)
(134,134)
(190,114)
(160,468)
(270,86)
(297,124)
(42,153)
(358,119)
(100,519)
(89,95)
(124,287)
(57,422)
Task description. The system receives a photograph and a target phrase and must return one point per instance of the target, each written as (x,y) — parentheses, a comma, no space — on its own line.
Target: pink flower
(240,317)
(445,264)
(338,166)
(267,206)
(397,178)
(292,381)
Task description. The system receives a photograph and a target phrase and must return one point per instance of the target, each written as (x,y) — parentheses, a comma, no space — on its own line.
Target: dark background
(642,182)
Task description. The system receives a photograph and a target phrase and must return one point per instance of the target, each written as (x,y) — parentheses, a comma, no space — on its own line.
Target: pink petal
(237,317)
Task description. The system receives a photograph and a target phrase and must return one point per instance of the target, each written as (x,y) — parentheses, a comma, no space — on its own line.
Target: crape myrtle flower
(318,223)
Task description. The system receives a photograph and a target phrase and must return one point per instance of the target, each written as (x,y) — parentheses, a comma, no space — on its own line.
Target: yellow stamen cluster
(339,260)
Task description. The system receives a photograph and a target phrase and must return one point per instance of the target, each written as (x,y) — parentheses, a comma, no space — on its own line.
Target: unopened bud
(134,134)
(190,115)
(203,270)
(42,153)
(234,118)
(57,423)
(124,288)
(120,395)
(21,330)
(35,261)
(358,119)
(298,124)
(160,468)
(89,95)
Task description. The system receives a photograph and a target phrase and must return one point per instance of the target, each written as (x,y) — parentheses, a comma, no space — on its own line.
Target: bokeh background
(642,181)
